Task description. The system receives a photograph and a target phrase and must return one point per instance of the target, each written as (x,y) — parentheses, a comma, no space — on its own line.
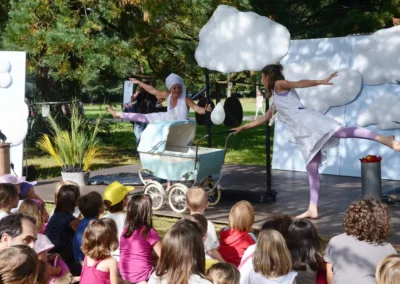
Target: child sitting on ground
(197,202)
(91,207)
(62,226)
(8,198)
(99,240)
(182,258)
(352,257)
(235,238)
(59,185)
(224,273)
(271,262)
(388,270)
(202,222)
(115,198)
(138,240)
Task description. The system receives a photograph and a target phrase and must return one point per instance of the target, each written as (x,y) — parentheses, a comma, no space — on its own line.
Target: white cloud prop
(234,41)
(13,122)
(346,86)
(383,111)
(5,77)
(377,57)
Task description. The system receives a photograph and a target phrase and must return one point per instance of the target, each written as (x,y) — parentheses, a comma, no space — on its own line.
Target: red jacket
(233,244)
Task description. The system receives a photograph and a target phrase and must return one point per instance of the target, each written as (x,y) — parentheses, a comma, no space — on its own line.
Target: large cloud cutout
(234,41)
(346,86)
(5,77)
(383,112)
(377,57)
(13,122)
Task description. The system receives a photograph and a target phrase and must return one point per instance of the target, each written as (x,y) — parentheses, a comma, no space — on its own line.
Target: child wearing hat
(115,198)
(25,188)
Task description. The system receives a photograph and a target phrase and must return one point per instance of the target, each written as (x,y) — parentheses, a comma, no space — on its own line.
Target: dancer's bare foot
(112,111)
(311,213)
(388,141)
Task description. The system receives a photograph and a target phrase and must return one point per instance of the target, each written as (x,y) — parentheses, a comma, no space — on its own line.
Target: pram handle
(218,133)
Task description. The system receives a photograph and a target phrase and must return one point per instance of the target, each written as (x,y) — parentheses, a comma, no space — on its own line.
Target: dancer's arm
(262,120)
(150,89)
(200,110)
(283,85)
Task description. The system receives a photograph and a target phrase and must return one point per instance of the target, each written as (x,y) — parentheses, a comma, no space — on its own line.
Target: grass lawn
(247,148)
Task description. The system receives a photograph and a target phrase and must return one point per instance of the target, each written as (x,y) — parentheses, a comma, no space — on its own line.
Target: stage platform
(337,193)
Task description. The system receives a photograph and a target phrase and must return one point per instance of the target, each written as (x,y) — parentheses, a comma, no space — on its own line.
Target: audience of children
(224,273)
(91,207)
(99,240)
(8,198)
(115,200)
(353,256)
(197,202)
(138,240)
(235,238)
(388,270)
(287,251)
(182,256)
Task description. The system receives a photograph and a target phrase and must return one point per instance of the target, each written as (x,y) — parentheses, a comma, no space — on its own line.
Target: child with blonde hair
(99,240)
(197,202)
(388,270)
(224,273)
(271,262)
(235,238)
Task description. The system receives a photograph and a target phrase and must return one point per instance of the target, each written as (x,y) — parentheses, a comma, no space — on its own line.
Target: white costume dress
(312,131)
(180,111)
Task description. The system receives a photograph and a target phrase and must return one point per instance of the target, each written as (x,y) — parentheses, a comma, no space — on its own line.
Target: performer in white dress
(177,103)
(314,132)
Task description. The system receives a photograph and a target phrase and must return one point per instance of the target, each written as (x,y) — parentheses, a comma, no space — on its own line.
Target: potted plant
(73,149)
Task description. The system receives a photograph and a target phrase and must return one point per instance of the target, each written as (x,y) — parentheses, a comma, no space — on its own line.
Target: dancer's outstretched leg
(134,117)
(315,185)
(363,133)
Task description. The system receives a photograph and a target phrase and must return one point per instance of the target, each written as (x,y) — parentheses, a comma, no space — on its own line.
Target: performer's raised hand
(327,80)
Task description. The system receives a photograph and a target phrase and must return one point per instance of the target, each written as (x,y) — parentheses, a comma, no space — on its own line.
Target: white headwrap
(181,107)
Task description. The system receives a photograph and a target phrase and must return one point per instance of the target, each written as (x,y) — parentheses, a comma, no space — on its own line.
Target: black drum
(233,112)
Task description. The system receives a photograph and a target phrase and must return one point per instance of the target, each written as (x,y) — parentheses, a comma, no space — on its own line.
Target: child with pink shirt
(138,240)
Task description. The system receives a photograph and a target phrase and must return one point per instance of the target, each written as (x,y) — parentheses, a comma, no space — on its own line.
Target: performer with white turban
(178,103)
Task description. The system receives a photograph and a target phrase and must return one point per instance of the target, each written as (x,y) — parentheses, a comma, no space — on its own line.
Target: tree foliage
(87,47)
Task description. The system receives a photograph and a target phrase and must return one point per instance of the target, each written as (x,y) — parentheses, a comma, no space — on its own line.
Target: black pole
(270,194)
(208,115)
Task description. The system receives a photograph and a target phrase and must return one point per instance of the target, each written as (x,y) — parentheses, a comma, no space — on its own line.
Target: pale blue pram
(165,152)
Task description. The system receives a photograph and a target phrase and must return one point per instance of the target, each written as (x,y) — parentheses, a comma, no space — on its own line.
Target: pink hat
(9,178)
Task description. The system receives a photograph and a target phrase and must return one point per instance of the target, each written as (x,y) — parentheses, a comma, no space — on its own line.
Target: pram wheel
(177,197)
(213,191)
(156,192)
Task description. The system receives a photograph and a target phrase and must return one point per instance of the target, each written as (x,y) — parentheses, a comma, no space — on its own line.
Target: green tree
(73,47)
(328,18)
